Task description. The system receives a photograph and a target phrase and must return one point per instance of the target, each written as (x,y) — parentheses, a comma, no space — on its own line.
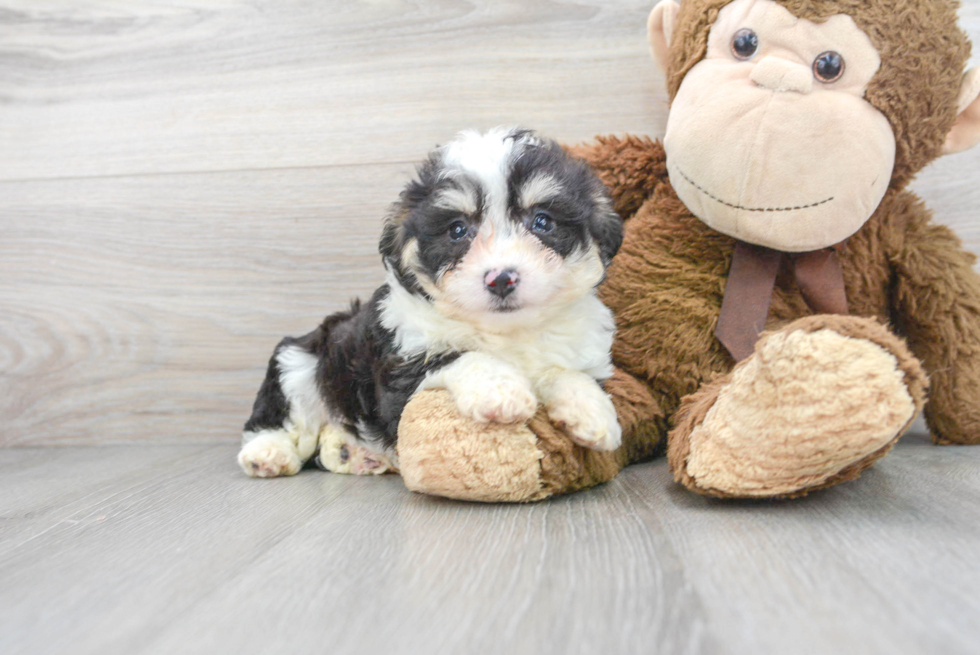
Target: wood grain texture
(897,547)
(165,549)
(93,88)
(183,183)
(147,306)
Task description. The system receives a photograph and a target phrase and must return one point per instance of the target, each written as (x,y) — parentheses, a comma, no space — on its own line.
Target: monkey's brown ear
(660,27)
(966,130)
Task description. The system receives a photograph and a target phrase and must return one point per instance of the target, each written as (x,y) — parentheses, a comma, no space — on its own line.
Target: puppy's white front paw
(269,456)
(587,416)
(508,399)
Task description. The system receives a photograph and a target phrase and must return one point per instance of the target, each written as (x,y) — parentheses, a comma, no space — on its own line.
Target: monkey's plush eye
(745,44)
(542,223)
(457,230)
(828,67)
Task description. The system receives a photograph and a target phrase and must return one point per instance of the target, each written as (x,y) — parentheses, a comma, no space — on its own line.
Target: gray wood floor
(169,549)
(182,182)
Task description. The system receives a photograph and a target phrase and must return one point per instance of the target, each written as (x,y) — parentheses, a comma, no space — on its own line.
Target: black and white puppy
(493,256)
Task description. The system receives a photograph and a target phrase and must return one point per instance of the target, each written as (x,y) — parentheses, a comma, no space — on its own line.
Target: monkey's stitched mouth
(749,209)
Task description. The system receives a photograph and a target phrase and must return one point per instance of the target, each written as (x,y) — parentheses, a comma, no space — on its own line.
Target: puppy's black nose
(501,283)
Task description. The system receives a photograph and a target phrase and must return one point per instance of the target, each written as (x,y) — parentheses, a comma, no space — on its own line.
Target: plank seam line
(217,171)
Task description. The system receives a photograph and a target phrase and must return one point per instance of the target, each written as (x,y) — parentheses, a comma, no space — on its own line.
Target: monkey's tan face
(770,139)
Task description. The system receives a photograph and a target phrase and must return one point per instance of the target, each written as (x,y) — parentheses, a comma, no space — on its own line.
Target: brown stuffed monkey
(783,303)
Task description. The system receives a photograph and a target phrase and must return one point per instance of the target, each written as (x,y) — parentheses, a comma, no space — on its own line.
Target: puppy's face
(501,224)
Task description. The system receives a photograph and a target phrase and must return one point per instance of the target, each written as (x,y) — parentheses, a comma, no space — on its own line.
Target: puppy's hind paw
(501,400)
(269,456)
(341,452)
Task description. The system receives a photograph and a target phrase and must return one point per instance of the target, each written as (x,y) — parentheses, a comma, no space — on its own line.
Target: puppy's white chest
(578,338)
(578,341)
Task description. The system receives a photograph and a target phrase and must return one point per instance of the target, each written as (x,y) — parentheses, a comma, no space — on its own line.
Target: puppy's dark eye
(745,44)
(828,67)
(457,230)
(542,223)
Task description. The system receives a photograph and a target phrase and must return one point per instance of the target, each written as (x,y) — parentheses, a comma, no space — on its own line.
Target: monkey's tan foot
(816,404)
(342,452)
(442,453)
(270,454)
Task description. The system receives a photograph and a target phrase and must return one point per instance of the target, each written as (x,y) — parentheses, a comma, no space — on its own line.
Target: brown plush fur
(667,283)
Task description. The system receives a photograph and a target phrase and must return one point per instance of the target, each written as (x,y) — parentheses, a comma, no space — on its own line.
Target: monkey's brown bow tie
(751,280)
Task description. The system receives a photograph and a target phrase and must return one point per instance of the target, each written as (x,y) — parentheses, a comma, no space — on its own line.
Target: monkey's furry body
(794,125)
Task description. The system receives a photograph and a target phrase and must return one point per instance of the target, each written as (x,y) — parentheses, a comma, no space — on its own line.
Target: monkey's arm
(937,308)
(641,415)
(445,454)
(631,167)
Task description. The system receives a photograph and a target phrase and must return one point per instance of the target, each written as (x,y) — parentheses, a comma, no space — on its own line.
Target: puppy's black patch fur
(360,375)
(416,216)
(576,211)
(271,409)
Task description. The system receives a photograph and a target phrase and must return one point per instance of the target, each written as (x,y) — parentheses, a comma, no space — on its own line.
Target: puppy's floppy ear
(394,234)
(393,237)
(606,228)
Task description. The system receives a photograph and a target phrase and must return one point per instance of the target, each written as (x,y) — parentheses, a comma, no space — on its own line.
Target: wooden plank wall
(183,182)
